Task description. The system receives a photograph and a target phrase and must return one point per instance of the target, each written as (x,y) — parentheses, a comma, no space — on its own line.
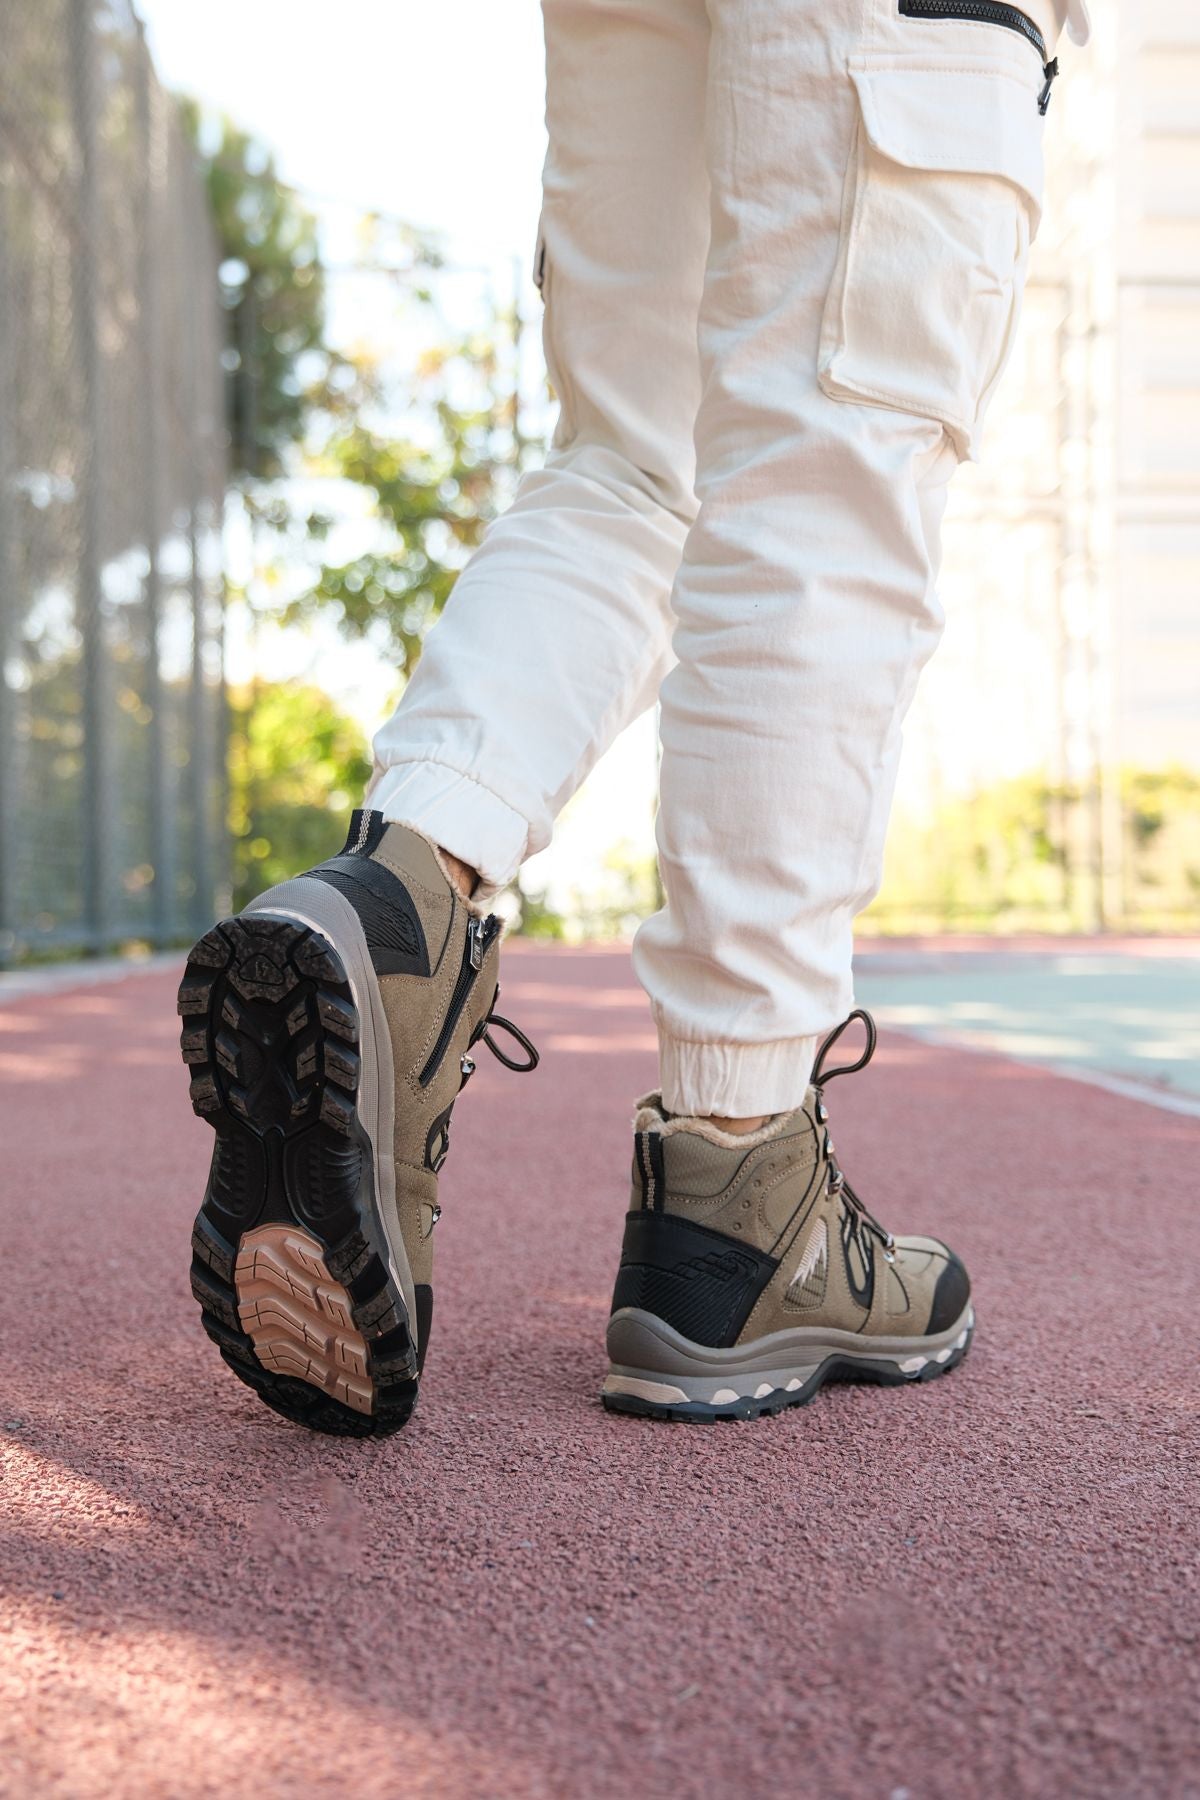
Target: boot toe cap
(950,1296)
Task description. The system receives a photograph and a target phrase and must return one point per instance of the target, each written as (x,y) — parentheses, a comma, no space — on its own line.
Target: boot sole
(747,1393)
(291,1265)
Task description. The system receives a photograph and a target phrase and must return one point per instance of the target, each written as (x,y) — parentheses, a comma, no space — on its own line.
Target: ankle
(734,1127)
(461,874)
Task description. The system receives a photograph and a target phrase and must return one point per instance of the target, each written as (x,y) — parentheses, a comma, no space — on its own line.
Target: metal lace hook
(819,1076)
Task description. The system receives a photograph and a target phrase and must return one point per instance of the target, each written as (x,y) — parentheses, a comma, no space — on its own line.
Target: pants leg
(557,634)
(875,181)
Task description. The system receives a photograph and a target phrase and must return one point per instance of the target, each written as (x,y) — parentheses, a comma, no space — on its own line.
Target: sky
(431,112)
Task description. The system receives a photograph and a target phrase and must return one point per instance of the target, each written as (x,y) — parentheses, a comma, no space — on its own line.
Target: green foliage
(1153,797)
(297,765)
(538,919)
(49,875)
(435,486)
(434,491)
(1161,808)
(1021,855)
(273,291)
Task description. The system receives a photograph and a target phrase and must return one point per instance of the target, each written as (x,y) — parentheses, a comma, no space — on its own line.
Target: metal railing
(111,481)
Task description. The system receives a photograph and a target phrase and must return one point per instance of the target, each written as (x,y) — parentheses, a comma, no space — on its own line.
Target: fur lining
(647,1112)
(478,901)
(649,1117)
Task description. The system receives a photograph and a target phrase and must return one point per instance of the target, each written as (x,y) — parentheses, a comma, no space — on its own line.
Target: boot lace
(466,1064)
(514,1031)
(859,1215)
(484,1031)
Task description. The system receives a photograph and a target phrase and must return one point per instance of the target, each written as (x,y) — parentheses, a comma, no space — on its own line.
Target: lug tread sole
(290,1266)
(833,1369)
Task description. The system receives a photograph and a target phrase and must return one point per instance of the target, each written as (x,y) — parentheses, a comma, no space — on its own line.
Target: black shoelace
(862,1218)
(514,1031)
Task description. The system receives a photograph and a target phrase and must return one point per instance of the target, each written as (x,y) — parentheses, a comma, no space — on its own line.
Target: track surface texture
(981,1587)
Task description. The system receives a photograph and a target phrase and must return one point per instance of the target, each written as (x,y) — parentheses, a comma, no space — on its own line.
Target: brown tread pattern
(297,1317)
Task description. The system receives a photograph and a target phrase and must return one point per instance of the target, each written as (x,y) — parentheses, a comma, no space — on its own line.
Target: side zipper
(990,12)
(480,933)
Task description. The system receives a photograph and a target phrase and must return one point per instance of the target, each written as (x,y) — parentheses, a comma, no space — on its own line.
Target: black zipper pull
(1049,71)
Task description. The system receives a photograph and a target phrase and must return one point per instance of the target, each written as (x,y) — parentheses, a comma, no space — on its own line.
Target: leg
(329,1029)
(874,183)
(558,633)
(875,179)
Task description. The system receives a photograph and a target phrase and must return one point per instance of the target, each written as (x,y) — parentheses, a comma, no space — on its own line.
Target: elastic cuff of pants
(459,814)
(734,1081)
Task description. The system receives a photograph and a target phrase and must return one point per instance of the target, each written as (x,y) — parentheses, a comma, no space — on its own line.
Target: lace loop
(819,1076)
(837,1184)
(514,1031)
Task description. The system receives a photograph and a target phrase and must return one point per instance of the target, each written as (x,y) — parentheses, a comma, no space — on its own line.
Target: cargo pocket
(543,281)
(942,199)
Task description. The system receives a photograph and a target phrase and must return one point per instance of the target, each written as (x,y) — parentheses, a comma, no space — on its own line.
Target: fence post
(8,612)
(199,735)
(87,301)
(152,394)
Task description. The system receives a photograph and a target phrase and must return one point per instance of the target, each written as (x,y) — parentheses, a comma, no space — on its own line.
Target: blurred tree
(435,490)
(435,485)
(437,446)
(1002,857)
(538,919)
(273,291)
(297,764)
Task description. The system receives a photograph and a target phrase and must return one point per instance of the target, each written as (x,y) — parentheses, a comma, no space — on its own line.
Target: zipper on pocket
(479,935)
(990,12)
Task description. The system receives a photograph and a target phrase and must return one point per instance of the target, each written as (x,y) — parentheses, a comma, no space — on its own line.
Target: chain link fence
(111,482)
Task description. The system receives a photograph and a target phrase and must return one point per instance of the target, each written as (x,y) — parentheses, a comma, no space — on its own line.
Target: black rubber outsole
(271,1037)
(833,1369)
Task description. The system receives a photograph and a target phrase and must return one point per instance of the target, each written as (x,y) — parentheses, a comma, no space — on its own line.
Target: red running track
(983,1587)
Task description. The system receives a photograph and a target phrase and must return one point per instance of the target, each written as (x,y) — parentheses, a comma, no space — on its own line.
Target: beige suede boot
(329,1030)
(752,1273)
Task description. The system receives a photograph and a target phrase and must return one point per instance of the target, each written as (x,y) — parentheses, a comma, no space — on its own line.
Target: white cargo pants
(781,254)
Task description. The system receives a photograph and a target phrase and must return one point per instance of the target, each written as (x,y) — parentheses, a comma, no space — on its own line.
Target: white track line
(1163,1098)
(61,978)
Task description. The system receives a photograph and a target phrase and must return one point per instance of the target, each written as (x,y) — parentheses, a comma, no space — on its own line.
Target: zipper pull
(475,941)
(1050,70)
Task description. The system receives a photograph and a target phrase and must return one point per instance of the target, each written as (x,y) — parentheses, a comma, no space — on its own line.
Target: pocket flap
(973,119)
